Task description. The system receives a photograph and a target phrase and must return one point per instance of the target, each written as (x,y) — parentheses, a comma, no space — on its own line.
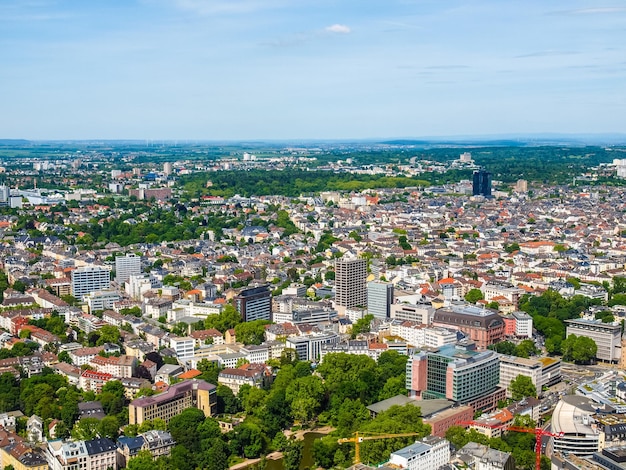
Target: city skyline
(272,69)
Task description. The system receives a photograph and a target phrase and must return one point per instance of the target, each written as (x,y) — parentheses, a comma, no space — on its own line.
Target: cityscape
(309,235)
(411,305)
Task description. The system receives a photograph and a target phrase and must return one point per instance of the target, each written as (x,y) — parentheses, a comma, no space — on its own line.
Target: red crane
(538,432)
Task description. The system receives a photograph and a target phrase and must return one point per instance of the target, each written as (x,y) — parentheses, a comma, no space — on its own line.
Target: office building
(543,372)
(309,347)
(573,416)
(379,298)
(482,325)
(254,303)
(89,279)
(431,453)
(481,184)
(458,373)
(126,266)
(101,299)
(350,287)
(607,337)
(172,402)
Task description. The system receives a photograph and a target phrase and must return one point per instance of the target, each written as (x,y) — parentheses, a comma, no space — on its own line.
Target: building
(183,346)
(480,457)
(88,279)
(235,378)
(309,347)
(511,367)
(607,336)
(523,325)
(482,325)
(126,266)
(102,299)
(177,398)
(158,443)
(96,454)
(431,453)
(255,303)
(573,416)
(350,287)
(379,298)
(421,313)
(458,373)
(481,183)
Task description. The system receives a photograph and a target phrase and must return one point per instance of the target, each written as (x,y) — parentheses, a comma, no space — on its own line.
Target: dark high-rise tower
(482,183)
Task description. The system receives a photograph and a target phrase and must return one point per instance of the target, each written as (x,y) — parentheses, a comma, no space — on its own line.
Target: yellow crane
(358,438)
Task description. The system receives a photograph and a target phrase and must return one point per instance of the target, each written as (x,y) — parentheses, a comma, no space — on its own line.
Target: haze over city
(274,69)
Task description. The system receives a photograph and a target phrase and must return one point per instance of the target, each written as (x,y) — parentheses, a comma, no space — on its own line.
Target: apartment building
(431,453)
(350,287)
(126,266)
(88,279)
(95,454)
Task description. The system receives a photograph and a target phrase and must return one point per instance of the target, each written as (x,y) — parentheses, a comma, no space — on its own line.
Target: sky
(310,69)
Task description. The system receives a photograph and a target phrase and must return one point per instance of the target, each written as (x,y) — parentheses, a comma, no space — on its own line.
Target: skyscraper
(482,183)
(125,266)
(379,298)
(350,288)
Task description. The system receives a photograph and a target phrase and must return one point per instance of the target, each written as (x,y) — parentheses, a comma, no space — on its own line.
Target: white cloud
(338,29)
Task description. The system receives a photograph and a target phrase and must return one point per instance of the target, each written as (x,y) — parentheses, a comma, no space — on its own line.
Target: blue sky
(310,69)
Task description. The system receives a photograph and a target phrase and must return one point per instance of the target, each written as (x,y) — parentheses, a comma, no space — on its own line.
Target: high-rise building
(350,287)
(481,183)
(607,336)
(126,266)
(167,168)
(254,303)
(89,279)
(458,373)
(379,298)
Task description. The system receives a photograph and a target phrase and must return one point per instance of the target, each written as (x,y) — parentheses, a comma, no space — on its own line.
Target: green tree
(293,455)
(362,325)
(108,334)
(142,461)
(474,295)
(184,426)
(522,386)
(252,332)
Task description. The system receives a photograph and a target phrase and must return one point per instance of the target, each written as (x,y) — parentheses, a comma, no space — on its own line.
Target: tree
(293,455)
(474,295)
(226,401)
(142,461)
(585,349)
(521,387)
(252,332)
(362,325)
(526,349)
(183,428)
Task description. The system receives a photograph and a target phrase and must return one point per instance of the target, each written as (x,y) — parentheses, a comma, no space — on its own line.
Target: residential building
(431,453)
(481,457)
(379,298)
(254,376)
(177,398)
(607,337)
(158,443)
(254,303)
(458,373)
(126,266)
(96,454)
(350,287)
(88,279)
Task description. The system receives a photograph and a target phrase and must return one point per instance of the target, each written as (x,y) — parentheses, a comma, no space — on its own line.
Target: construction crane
(358,438)
(537,431)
